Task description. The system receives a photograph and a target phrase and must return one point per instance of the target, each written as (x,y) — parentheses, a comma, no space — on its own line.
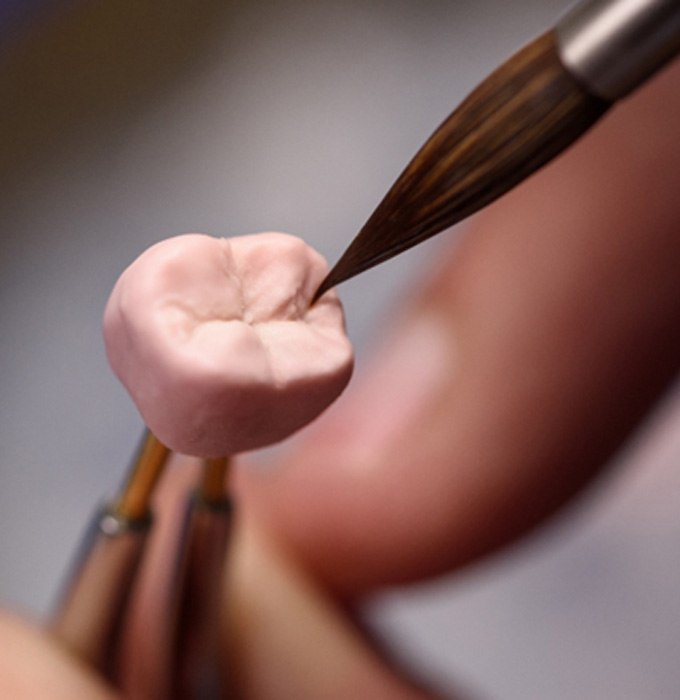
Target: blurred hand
(510,378)
(511,375)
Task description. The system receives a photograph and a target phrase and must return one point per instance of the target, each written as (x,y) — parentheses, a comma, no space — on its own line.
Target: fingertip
(33,666)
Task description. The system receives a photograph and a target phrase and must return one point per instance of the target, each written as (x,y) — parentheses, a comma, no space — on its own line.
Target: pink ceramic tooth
(215,341)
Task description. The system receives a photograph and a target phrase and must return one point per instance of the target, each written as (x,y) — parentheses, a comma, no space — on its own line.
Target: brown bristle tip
(522,116)
(326,285)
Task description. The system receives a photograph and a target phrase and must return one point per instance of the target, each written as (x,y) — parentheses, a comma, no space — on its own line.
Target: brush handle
(90,614)
(196,668)
(612,46)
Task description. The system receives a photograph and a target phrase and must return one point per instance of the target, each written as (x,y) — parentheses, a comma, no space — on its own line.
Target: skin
(549,334)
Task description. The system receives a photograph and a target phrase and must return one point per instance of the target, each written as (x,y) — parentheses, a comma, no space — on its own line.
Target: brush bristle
(522,116)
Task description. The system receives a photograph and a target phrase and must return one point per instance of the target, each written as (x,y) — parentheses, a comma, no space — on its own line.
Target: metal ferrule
(612,46)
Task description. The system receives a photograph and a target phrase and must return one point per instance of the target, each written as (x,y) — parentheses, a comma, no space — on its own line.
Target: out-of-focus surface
(124,123)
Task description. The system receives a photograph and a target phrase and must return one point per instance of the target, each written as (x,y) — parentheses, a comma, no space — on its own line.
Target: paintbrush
(524,114)
(196,668)
(89,617)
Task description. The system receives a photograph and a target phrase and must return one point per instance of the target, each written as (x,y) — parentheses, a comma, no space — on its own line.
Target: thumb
(33,666)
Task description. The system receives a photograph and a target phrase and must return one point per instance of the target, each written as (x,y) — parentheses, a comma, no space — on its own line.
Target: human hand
(519,368)
(281,636)
(515,372)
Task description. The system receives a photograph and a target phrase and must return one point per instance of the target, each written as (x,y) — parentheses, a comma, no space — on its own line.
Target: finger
(284,638)
(33,666)
(517,371)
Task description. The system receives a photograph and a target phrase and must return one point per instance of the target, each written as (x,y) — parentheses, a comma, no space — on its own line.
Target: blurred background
(124,123)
